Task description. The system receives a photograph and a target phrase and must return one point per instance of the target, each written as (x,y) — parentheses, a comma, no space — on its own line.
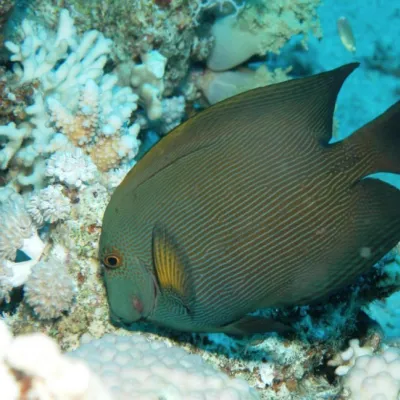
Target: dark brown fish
(246,205)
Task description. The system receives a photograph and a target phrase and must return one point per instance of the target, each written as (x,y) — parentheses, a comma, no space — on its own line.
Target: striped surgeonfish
(247,205)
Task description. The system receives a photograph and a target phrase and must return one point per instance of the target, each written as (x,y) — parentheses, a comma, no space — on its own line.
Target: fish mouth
(119,321)
(122,323)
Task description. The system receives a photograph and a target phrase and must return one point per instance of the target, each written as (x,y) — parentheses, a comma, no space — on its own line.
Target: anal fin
(251,325)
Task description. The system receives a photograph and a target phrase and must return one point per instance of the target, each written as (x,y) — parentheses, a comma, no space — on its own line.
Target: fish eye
(112,261)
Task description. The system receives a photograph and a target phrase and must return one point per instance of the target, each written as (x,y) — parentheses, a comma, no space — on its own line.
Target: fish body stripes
(245,206)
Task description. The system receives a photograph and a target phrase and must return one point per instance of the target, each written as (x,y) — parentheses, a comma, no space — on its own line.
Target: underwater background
(86,88)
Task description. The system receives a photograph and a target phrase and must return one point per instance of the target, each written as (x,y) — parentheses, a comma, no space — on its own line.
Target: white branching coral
(6,283)
(147,81)
(15,227)
(100,120)
(17,232)
(72,168)
(15,137)
(109,151)
(49,289)
(75,103)
(49,205)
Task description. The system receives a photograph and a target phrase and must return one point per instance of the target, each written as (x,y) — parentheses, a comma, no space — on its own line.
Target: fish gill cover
(87,90)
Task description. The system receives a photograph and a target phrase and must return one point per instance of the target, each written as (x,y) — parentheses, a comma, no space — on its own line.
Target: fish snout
(116,320)
(123,322)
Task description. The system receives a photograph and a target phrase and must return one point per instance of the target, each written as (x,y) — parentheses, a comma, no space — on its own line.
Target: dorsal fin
(302,107)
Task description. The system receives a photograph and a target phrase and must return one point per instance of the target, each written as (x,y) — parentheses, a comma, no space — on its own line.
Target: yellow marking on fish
(346,34)
(169,267)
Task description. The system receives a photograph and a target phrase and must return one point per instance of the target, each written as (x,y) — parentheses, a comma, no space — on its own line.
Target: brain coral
(134,367)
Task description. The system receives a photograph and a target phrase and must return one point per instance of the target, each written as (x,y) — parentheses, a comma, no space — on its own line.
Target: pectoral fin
(172,278)
(250,325)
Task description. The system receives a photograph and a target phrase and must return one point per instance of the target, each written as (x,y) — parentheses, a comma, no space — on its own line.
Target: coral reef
(217,86)
(32,366)
(14,100)
(173,112)
(369,374)
(262,26)
(49,205)
(72,168)
(375,377)
(49,290)
(147,79)
(75,103)
(91,90)
(139,27)
(140,367)
(120,367)
(17,233)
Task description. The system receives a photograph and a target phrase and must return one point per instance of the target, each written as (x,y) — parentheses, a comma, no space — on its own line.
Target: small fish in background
(346,34)
(247,205)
